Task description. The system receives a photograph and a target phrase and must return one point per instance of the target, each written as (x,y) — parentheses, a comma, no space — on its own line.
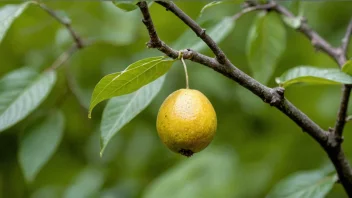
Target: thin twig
(63,57)
(341,115)
(64,22)
(317,41)
(246,10)
(275,97)
(200,32)
(346,39)
(78,44)
(272,96)
(346,89)
(154,42)
(334,151)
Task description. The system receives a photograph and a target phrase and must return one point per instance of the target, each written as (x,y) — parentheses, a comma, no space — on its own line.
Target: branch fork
(330,141)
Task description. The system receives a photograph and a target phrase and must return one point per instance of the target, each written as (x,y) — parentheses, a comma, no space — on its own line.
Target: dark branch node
(277,96)
(334,141)
(331,130)
(65,23)
(280,91)
(203,32)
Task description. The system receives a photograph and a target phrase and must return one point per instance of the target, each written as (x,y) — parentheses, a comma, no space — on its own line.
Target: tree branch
(272,96)
(346,89)
(342,113)
(275,97)
(250,8)
(335,151)
(317,41)
(346,39)
(63,57)
(200,32)
(64,22)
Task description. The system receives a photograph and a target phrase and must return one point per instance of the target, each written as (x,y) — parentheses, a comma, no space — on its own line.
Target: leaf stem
(186,73)
(273,96)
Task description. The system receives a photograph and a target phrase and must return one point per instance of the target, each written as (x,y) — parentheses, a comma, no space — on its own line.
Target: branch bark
(200,32)
(338,54)
(346,39)
(65,23)
(346,89)
(342,113)
(250,8)
(78,42)
(63,57)
(335,152)
(66,55)
(274,96)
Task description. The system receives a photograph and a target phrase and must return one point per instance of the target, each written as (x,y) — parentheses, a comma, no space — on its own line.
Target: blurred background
(255,146)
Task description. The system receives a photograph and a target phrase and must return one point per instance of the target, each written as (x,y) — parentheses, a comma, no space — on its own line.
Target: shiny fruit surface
(186,121)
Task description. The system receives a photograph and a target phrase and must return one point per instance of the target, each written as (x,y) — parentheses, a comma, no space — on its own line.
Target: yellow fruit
(186,121)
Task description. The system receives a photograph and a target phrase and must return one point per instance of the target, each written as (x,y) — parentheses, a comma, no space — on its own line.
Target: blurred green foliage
(255,146)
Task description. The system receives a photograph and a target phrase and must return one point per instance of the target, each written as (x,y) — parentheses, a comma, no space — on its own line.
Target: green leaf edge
(319,80)
(130,67)
(347,67)
(102,145)
(61,116)
(22,7)
(50,74)
(327,177)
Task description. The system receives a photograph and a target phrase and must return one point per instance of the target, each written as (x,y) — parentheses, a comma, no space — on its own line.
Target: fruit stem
(186,73)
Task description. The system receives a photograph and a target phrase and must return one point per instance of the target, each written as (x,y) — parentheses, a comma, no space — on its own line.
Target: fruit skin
(186,121)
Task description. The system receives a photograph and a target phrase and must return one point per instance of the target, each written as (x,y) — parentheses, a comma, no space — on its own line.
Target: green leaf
(126,5)
(209,5)
(313,75)
(209,174)
(134,77)
(347,67)
(8,14)
(214,3)
(47,191)
(39,143)
(295,7)
(218,31)
(265,44)
(115,26)
(21,91)
(121,110)
(294,22)
(86,184)
(312,184)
